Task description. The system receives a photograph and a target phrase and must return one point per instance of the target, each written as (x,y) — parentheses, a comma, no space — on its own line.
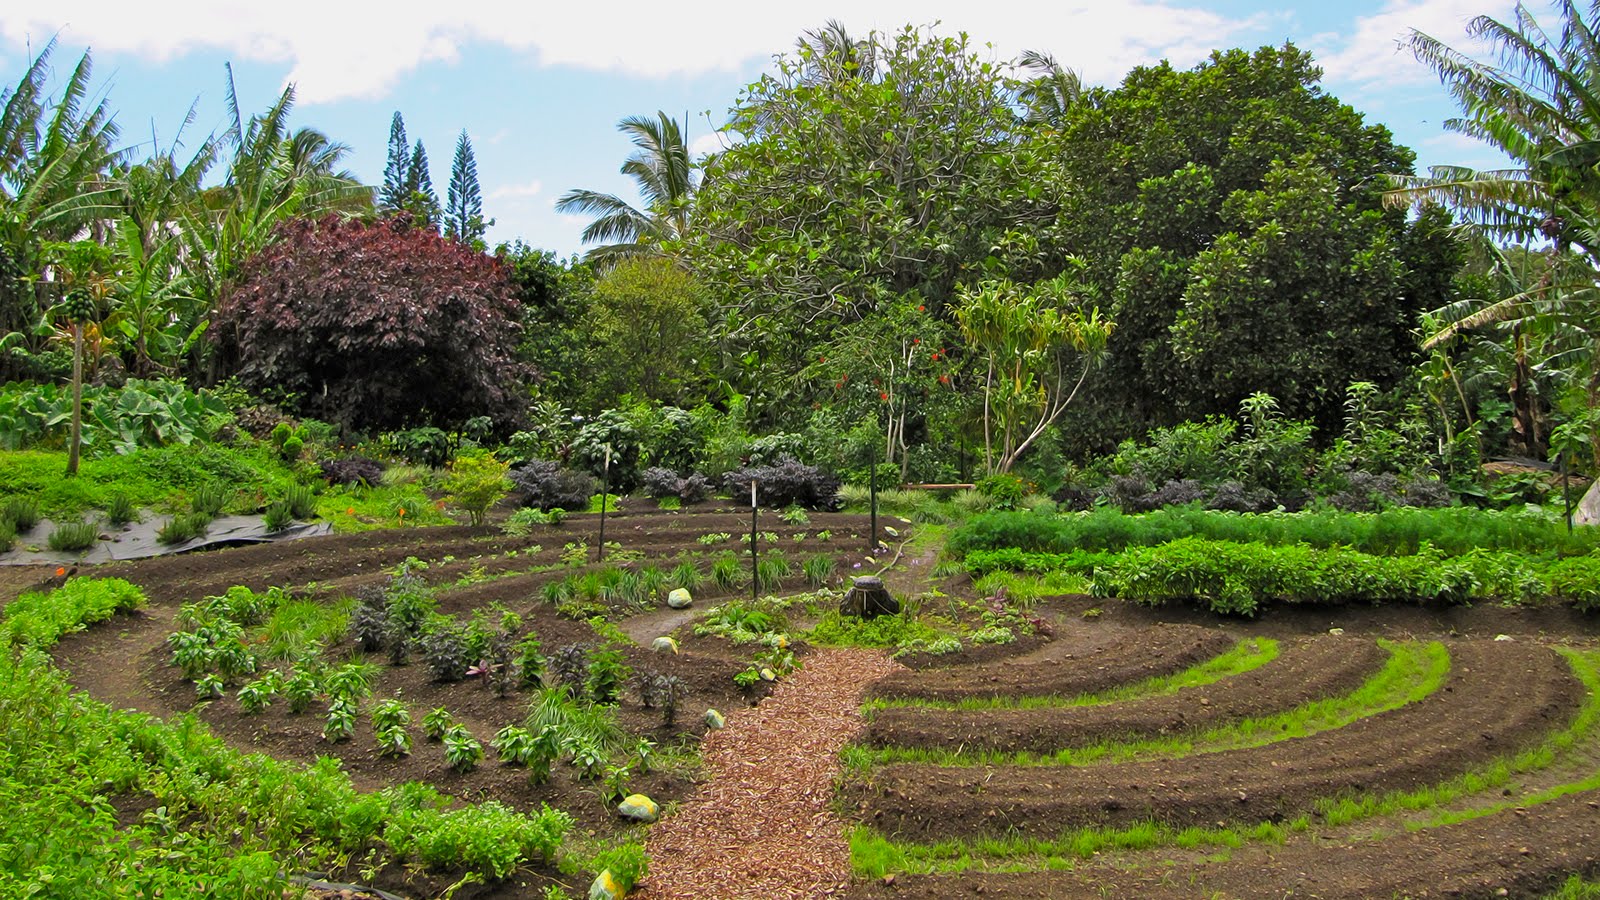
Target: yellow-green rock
(664,644)
(714,720)
(679,598)
(605,887)
(639,808)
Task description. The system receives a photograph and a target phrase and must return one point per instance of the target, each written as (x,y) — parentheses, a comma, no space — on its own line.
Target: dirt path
(761,826)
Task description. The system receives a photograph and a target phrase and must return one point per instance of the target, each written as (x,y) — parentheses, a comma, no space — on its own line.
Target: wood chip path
(760,826)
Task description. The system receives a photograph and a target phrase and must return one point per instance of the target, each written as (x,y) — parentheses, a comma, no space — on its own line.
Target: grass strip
(872,855)
(1413,672)
(1245,656)
(1586,666)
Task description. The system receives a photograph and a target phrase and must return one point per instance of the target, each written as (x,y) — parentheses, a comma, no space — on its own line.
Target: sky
(539,87)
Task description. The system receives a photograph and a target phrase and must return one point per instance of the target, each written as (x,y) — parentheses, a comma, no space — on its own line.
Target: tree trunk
(77,399)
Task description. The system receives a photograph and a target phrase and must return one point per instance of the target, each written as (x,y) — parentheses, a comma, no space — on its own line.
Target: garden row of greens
(1236,564)
(73,770)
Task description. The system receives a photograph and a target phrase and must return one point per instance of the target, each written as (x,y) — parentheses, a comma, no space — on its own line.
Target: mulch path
(761,825)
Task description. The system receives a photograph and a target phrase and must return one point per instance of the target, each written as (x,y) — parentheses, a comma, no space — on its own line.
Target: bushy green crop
(41,618)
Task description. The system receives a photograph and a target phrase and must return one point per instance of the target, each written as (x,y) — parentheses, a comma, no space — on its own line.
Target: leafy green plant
(608,671)
(726,572)
(771,569)
(715,537)
(300,689)
(819,570)
(687,575)
(444,647)
(341,721)
(74,537)
(390,713)
(461,750)
(351,681)
(257,695)
(476,482)
(393,741)
(208,686)
(796,515)
(663,692)
(514,745)
(21,512)
(183,527)
(436,723)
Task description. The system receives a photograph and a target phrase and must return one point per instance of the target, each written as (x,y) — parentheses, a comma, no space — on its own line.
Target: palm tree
(1051,91)
(667,180)
(1541,107)
(829,53)
(53,160)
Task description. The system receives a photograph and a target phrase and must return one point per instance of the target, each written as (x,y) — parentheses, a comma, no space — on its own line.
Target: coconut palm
(667,180)
(1051,90)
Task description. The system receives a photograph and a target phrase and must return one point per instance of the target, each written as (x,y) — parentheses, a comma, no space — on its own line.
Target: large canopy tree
(1233,215)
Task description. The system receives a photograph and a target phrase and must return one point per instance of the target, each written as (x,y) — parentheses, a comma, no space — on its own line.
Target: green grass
(872,855)
(164,478)
(300,625)
(1245,656)
(1586,666)
(1576,888)
(359,508)
(1027,589)
(1413,672)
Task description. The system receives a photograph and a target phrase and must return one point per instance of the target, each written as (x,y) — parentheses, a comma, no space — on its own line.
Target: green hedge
(1398,532)
(1239,578)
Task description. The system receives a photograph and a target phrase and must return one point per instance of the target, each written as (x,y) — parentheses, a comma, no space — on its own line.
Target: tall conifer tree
(392,197)
(421,199)
(463,214)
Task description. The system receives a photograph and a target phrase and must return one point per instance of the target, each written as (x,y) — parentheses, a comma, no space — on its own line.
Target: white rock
(639,808)
(714,720)
(664,644)
(679,598)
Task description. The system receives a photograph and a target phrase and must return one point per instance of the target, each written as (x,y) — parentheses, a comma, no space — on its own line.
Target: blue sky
(540,90)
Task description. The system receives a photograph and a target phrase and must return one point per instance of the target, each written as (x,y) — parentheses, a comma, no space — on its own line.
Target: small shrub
(819,570)
(352,470)
(341,721)
(686,575)
(461,750)
(302,501)
(393,741)
(627,863)
(1002,490)
(663,692)
(21,512)
(570,666)
(299,689)
(257,695)
(476,482)
(788,482)
(74,537)
(546,485)
(514,745)
(444,648)
(420,446)
(183,527)
(390,713)
(120,509)
(209,500)
(771,569)
(278,516)
(608,671)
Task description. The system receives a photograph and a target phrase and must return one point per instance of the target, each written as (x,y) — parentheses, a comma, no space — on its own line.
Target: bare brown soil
(1518,852)
(1306,669)
(1498,698)
(1059,669)
(125,661)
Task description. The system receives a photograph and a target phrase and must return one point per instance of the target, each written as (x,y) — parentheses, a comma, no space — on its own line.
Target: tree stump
(868,599)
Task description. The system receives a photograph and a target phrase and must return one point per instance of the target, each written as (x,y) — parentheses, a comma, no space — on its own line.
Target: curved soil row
(349,560)
(1499,698)
(1515,853)
(1305,670)
(1058,671)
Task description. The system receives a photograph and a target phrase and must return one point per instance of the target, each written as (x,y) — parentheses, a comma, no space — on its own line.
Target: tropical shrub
(352,469)
(786,483)
(373,324)
(545,484)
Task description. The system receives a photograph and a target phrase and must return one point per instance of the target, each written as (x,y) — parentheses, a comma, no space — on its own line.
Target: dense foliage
(374,325)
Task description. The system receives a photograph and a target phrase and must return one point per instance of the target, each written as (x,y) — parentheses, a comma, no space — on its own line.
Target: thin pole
(1566,491)
(755,580)
(873,481)
(605,492)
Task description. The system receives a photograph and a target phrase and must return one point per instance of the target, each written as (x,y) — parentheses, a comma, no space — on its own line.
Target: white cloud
(710,142)
(1371,52)
(358,49)
(517,191)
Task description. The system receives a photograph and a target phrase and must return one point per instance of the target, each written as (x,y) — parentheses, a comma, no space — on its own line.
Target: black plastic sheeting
(137,540)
